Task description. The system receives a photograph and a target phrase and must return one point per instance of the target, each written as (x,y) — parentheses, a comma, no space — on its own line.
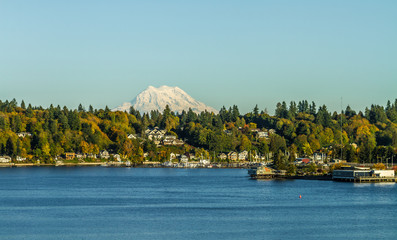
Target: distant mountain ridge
(158,98)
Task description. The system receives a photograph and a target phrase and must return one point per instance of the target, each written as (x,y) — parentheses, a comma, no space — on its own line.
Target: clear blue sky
(220,52)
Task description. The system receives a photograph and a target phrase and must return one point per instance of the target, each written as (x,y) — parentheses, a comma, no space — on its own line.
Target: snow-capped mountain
(158,98)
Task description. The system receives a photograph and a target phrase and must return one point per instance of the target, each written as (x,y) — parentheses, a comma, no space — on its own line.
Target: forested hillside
(301,128)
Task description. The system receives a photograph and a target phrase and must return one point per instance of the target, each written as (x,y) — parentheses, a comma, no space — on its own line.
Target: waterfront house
(242,156)
(20,159)
(90,155)
(222,156)
(204,162)
(5,159)
(168,164)
(70,155)
(232,156)
(116,157)
(255,157)
(183,159)
(190,156)
(104,154)
(172,156)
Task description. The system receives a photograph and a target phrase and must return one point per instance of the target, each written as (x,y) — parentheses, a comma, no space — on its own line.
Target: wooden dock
(375,179)
(368,179)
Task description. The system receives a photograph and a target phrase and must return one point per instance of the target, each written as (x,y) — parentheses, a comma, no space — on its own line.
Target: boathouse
(350,174)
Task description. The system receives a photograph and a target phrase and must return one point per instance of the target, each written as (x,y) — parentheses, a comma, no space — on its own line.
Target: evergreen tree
(312,109)
(349,112)
(4,124)
(281,110)
(223,114)
(323,117)
(255,110)
(23,106)
(292,110)
(81,108)
(11,148)
(74,120)
(107,110)
(235,113)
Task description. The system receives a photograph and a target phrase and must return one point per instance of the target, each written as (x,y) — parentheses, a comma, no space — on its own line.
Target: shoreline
(158,165)
(123,165)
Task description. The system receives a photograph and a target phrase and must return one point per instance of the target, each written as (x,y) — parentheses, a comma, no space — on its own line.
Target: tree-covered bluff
(297,129)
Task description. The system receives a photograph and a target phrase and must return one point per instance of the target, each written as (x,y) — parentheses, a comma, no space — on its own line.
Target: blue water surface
(162,203)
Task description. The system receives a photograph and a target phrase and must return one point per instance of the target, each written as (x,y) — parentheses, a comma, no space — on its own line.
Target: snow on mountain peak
(158,98)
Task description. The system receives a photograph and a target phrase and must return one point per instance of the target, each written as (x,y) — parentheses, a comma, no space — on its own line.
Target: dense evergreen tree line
(300,128)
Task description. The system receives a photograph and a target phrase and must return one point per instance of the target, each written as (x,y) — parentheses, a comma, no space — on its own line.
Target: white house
(184,159)
(116,157)
(132,136)
(262,134)
(155,134)
(172,156)
(222,156)
(5,159)
(243,155)
(172,140)
(232,156)
(104,154)
(24,134)
(20,159)
(204,162)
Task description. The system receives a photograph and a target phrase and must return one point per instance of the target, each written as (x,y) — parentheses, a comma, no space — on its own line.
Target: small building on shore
(5,159)
(69,155)
(363,174)
(301,161)
(350,174)
(104,154)
(383,173)
(222,156)
(20,159)
(232,156)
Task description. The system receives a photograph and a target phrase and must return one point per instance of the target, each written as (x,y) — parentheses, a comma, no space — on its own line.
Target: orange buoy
(300,196)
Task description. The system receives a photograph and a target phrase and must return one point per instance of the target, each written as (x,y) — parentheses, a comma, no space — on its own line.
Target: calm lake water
(129,203)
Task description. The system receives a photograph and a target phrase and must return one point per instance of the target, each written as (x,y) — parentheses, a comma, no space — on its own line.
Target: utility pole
(341,130)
